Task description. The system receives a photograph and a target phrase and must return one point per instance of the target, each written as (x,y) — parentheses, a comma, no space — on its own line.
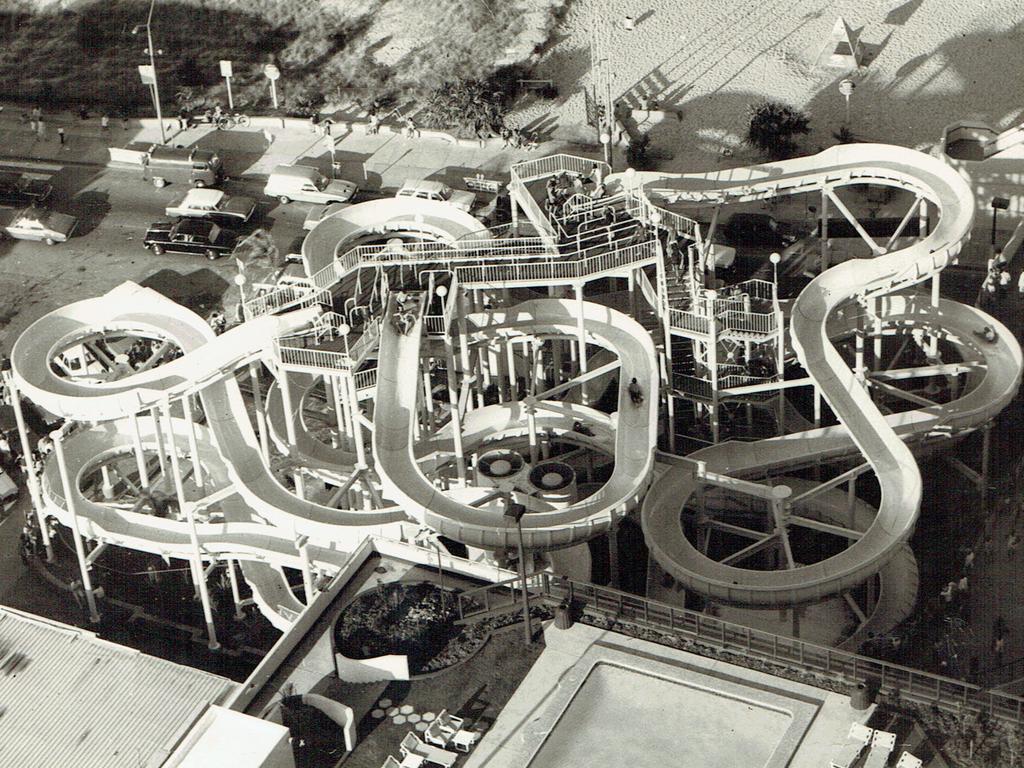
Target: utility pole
(152,65)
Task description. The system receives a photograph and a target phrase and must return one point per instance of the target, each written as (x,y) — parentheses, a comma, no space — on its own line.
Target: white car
(306,184)
(421,189)
(38,224)
(213,204)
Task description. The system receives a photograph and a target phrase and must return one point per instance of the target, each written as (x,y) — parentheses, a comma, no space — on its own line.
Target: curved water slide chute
(877,438)
(635,430)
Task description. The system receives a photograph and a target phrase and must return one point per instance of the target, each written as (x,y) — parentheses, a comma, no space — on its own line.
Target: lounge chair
(451,728)
(848,752)
(411,745)
(409,761)
(882,745)
(436,734)
(907,760)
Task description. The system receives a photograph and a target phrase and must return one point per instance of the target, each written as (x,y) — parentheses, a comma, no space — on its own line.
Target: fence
(285,297)
(902,683)
(541,167)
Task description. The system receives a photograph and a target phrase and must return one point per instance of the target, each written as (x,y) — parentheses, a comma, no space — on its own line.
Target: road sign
(272,72)
(225,68)
(148,74)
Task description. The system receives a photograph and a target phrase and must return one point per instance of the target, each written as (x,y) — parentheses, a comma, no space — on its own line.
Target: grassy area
(88,55)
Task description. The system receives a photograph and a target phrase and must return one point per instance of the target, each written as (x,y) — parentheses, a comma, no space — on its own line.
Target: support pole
(236,597)
(825,255)
(614,575)
(70,499)
(193,444)
(158,432)
(581,333)
(453,401)
(289,426)
(197,556)
(34,490)
(353,416)
(302,543)
(261,413)
(140,456)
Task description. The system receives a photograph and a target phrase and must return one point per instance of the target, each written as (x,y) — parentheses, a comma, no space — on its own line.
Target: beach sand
(928,63)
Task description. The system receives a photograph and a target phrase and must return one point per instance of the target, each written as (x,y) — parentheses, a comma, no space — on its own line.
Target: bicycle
(229,121)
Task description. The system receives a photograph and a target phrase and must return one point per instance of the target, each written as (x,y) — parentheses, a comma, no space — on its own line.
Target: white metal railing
(557,269)
(755,323)
(285,297)
(541,167)
(365,379)
(307,358)
(688,321)
(366,342)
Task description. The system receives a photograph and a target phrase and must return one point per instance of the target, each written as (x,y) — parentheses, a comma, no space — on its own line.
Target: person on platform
(635,393)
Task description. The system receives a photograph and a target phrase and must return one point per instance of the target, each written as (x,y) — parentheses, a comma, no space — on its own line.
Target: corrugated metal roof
(68,698)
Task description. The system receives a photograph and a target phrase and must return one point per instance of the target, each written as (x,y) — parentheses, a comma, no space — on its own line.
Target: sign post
(272,73)
(225,72)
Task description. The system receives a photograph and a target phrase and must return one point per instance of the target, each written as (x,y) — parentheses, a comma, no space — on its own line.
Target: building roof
(224,737)
(69,698)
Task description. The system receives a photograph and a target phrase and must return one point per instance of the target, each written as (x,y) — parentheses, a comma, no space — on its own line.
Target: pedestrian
(595,174)
(327,123)
(962,584)
(182,120)
(37,114)
(1011,543)
(1020,283)
(40,129)
(374,124)
(124,120)
(105,123)
(411,131)
(60,136)
(635,393)
(999,645)
(314,122)
(947,592)
(969,559)
(1004,282)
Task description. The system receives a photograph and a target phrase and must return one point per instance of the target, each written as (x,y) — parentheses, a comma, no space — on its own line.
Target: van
(198,167)
(308,185)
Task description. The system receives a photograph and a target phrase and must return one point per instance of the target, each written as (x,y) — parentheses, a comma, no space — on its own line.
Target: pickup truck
(215,205)
(199,236)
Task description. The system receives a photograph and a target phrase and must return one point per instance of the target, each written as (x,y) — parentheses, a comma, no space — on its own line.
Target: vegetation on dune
(401,48)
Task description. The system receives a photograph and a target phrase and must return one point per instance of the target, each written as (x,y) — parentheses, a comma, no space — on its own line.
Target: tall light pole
(514,514)
(152,63)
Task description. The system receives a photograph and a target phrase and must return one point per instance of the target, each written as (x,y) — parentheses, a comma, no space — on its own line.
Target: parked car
(320,212)
(421,189)
(40,224)
(19,190)
(306,184)
(199,236)
(213,204)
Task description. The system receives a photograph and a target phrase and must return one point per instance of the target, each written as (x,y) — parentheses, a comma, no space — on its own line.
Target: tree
(774,127)
(258,253)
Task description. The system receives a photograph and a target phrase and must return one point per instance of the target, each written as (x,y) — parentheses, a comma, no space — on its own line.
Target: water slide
(339,232)
(635,429)
(877,438)
(228,446)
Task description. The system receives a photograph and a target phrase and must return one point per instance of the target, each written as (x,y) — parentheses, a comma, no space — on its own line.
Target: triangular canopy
(841,50)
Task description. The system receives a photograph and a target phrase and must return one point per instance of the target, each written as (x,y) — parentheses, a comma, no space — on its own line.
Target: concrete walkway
(374,161)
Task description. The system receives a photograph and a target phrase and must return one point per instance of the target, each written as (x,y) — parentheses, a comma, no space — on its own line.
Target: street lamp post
(514,513)
(846,87)
(152,63)
(998,204)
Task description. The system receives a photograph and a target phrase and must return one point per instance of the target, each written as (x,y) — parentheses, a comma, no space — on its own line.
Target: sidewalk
(373,161)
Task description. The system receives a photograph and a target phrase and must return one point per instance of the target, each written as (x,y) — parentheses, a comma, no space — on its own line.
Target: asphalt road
(115,207)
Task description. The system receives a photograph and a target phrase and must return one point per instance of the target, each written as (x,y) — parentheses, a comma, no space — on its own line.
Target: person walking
(969,559)
(411,131)
(105,123)
(182,120)
(61,137)
(1004,282)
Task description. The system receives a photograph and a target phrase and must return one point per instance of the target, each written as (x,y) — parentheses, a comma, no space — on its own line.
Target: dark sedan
(198,236)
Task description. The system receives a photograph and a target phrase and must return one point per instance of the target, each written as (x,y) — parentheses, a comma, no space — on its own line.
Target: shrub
(303,102)
(467,106)
(774,127)
(638,153)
